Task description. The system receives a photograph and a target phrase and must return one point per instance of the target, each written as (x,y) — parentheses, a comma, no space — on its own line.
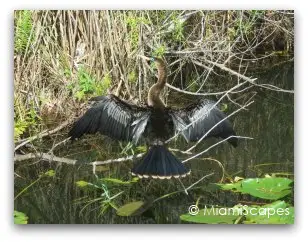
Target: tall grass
(64,57)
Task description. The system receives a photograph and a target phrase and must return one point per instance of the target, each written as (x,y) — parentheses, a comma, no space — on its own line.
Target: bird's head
(158,61)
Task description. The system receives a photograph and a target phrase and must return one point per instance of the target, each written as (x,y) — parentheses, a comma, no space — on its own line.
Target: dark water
(269,120)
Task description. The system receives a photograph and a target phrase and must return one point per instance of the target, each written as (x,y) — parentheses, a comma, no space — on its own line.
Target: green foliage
(246,24)
(130,208)
(193,85)
(24,118)
(134,23)
(101,87)
(107,186)
(23,26)
(178,29)
(132,77)
(20,127)
(119,182)
(271,188)
(49,173)
(82,184)
(224,107)
(208,216)
(87,84)
(160,51)
(278,212)
(141,148)
(67,72)
(20,218)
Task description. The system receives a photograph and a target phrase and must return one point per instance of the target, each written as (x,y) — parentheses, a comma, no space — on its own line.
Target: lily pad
(211,216)
(271,188)
(20,218)
(278,212)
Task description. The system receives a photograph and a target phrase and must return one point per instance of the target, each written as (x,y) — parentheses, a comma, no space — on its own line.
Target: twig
(252,81)
(180,151)
(60,143)
(201,153)
(201,179)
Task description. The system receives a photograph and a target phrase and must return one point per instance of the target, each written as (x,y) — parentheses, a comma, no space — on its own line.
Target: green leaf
(50,173)
(118,181)
(211,216)
(142,148)
(130,209)
(278,212)
(20,218)
(23,35)
(271,188)
(224,107)
(82,183)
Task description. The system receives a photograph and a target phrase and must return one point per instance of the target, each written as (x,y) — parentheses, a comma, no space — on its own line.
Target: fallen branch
(50,157)
(45,156)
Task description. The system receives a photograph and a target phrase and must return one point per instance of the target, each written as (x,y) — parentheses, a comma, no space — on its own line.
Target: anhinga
(154,124)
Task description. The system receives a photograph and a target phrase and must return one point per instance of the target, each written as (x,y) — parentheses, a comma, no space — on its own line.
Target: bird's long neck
(153,95)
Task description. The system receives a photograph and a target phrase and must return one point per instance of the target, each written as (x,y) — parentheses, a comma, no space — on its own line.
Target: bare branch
(201,153)
(44,156)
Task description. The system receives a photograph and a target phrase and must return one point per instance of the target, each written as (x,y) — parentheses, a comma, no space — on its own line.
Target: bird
(153,124)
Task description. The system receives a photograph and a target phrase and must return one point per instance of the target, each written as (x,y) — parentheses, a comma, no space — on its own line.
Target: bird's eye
(152,59)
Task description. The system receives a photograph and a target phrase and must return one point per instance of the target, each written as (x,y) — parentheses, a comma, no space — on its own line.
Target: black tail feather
(160,163)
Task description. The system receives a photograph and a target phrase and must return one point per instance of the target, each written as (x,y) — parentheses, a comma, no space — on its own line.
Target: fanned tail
(160,163)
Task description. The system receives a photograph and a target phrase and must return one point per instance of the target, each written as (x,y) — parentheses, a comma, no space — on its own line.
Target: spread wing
(113,117)
(197,119)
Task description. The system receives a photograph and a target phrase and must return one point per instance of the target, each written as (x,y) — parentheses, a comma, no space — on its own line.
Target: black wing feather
(202,117)
(112,117)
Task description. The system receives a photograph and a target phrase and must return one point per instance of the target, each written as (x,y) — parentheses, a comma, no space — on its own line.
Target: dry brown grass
(106,44)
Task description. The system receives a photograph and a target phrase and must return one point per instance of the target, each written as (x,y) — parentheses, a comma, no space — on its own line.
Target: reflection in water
(269,121)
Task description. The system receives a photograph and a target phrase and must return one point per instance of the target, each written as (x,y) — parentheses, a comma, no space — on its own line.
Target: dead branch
(50,157)
(44,156)
(204,151)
